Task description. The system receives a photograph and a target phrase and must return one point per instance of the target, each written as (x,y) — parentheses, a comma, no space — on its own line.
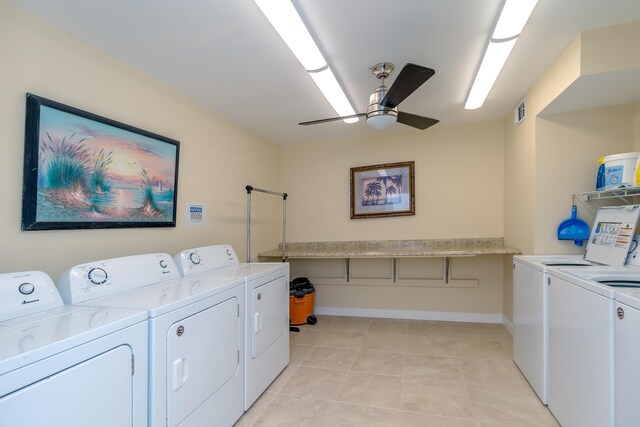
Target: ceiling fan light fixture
(330,88)
(513,17)
(286,21)
(381,121)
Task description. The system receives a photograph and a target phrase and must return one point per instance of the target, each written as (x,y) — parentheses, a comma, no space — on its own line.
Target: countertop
(395,248)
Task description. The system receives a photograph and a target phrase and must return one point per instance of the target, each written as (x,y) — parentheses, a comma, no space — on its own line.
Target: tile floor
(353,371)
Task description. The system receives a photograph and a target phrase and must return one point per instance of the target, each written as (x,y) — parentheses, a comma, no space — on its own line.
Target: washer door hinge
(238,356)
(133,365)
(238,310)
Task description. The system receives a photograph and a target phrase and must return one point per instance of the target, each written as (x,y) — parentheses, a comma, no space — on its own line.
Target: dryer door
(202,355)
(269,309)
(96,392)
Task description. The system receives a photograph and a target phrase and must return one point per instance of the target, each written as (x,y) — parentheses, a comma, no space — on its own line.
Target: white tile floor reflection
(353,371)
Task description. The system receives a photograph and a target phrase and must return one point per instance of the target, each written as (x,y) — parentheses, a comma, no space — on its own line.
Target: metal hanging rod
(250,189)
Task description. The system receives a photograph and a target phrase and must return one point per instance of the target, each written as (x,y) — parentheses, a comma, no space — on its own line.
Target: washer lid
(31,338)
(611,234)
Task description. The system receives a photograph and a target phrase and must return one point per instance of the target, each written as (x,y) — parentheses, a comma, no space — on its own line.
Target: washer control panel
(100,278)
(25,293)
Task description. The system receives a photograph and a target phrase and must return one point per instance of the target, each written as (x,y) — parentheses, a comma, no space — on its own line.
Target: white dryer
(66,366)
(196,334)
(266,311)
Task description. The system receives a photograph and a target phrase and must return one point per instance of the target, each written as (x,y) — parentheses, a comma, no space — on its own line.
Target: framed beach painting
(383,190)
(86,171)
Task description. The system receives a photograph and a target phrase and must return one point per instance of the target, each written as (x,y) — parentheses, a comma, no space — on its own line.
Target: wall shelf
(620,193)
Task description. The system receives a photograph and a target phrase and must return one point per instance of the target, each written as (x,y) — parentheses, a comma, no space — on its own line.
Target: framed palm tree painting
(383,190)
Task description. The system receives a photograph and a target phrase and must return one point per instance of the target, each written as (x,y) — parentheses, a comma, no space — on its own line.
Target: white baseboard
(412,314)
(507,324)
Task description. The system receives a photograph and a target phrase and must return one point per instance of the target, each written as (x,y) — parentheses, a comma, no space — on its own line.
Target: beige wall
(459,193)
(635,111)
(459,184)
(567,148)
(217,158)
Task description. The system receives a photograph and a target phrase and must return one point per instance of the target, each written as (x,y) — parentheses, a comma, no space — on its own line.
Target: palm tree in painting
(397,181)
(373,189)
(383,180)
(391,190)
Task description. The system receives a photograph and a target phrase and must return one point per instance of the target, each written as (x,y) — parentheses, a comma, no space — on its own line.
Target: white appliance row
(564,324)
(158,348)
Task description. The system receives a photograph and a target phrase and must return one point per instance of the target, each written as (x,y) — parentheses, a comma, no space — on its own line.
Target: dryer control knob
(97,276)
(26,288)
(194,258)
(163,263)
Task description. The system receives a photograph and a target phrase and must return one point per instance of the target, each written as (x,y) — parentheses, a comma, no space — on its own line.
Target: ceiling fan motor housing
(375,109)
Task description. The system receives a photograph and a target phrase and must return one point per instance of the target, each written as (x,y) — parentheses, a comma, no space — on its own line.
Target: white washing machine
(266,311)
(627,355)
(196,334)
(66,366)
(531,315)
(581,324)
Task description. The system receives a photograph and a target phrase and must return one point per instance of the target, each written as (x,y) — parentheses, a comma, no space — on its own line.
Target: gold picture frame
(383,190)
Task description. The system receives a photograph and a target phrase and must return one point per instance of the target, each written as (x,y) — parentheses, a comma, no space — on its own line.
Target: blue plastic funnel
(573,228)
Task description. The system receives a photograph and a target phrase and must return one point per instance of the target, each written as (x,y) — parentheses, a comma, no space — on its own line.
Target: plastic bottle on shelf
(600,180)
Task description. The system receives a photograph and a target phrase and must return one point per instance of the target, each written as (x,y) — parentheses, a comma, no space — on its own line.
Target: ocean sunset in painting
(92,171)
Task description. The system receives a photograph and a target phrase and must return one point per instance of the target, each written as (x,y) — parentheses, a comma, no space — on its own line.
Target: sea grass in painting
(90,171)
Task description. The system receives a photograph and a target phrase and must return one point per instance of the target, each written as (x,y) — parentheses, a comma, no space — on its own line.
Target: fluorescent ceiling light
(330,88)
(285,19)
(513,17)
(494,58)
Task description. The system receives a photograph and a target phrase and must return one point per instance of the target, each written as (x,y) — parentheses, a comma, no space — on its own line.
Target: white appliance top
(221,261)
(165,297)
(606,281)
(112,276)
(28,339)
(545,262)
(148,282)
(611,234)
(26,292)
(629,297)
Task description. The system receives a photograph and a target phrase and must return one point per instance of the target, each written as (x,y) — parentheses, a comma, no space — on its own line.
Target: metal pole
(249,188)
(284,225)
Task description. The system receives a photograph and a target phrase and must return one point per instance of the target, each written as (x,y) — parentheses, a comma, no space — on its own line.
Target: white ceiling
(225,54)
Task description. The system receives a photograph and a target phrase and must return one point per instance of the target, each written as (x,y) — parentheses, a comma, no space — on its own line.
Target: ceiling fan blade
(418,122)
(411,77)
(332,119)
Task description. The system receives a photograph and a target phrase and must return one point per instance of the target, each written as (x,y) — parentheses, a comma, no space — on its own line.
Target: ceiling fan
(382,110)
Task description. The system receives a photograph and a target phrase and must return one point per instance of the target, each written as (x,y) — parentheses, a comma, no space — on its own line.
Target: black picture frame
(85,171)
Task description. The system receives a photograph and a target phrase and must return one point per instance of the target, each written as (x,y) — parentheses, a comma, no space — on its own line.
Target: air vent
(519,113)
